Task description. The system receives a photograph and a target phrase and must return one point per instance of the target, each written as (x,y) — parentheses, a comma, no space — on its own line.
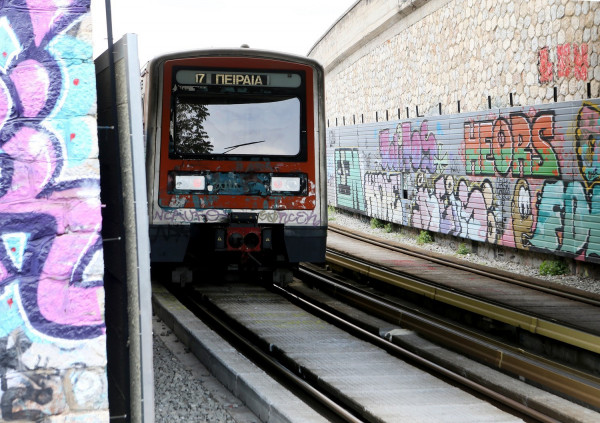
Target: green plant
(376,223)
(462,249)
(554,268)
(331,213)
(388,228)
(424,238)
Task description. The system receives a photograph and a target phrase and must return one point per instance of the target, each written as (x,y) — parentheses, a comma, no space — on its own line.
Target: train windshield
(237,126)
(234,112)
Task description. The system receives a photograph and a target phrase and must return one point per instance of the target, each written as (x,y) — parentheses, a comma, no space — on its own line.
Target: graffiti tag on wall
(513,146)
(525,178)
(51,266)
(571,61)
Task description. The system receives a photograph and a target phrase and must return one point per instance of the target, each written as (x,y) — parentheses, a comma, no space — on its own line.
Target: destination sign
(233,79)
(254,79)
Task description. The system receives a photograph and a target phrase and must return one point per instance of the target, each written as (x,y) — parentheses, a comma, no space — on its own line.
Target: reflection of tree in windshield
(190,136)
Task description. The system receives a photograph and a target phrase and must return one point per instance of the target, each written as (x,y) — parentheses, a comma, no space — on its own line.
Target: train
(235,163)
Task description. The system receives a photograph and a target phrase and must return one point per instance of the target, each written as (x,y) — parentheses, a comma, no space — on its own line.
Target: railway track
(221,306)
(265,358)
(555,377)
(572,381)
(569,318)
(450,262)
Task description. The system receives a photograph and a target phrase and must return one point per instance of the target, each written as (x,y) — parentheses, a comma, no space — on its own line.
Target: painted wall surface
(526,177)
(52,336)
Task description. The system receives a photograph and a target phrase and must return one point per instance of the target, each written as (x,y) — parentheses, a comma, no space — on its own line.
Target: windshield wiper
(233,147)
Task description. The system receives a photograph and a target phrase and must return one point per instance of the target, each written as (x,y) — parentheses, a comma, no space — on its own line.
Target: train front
(236,163)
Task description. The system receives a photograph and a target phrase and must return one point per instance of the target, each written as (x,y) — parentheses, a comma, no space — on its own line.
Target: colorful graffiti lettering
(580,61)
(49,179)
(408,149)
(565,211)
(51,264)
(545,66)
(515,145)
(526,179)
(587,143)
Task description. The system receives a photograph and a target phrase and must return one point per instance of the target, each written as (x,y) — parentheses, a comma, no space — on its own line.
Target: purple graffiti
(389,150)
(301,217)
(50,245)
(408,150)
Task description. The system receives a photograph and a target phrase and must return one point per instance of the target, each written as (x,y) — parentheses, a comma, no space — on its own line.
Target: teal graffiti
(348,181)
(568,219)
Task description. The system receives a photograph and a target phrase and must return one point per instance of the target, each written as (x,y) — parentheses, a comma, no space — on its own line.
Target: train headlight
(289,184)
(190,182)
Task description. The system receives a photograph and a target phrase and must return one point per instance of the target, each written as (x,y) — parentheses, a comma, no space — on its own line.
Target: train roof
(232,52)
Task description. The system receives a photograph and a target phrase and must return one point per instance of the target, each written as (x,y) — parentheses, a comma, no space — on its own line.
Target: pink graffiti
(61,298)
(408,150)
(425,210)
(565,64)
(420,146)
(31,81)
(581,61)
(388,149)
(58,301)
(473,213)
(33,164)
(44,14)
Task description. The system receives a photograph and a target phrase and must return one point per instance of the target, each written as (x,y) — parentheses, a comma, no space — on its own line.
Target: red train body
(235,146)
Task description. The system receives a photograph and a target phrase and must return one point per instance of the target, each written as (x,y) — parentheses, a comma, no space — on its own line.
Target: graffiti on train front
(527,178)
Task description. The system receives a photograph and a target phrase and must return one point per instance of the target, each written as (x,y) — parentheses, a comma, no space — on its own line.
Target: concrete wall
(525,177)
(52,333)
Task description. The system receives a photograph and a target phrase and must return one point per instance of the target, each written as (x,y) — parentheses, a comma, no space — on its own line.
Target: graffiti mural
(52,334)
(526,177)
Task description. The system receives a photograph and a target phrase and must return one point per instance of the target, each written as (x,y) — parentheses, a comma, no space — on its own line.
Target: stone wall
(52,333)
(386,56)
(525,177)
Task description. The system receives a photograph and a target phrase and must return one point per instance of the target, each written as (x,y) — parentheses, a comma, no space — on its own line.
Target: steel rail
(560,378)
(592,299)
(428,364)
(497,311)
(266,361)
